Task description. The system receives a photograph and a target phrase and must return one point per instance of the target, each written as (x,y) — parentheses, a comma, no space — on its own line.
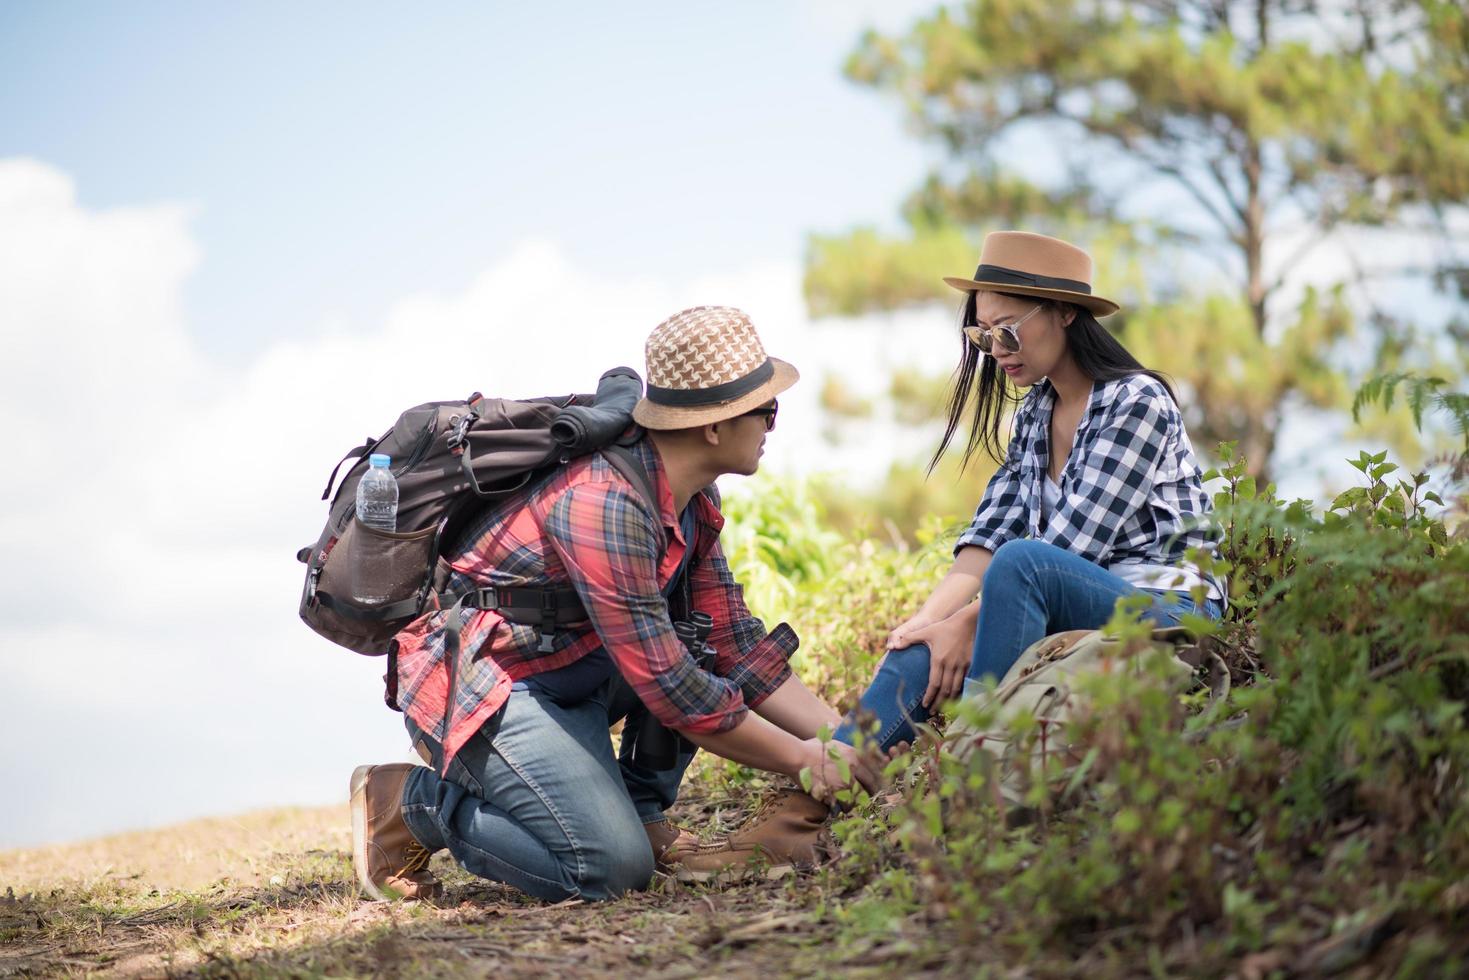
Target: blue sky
(246,234)
(339,154)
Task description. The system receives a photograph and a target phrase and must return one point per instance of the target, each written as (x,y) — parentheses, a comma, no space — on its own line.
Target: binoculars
(657,747)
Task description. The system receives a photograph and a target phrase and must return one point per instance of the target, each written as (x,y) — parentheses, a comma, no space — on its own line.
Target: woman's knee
(1013,562)
(1021,552)
(907,662)
(905,674)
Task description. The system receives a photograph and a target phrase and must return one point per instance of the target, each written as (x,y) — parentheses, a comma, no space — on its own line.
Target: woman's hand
(902,636)
(950,648)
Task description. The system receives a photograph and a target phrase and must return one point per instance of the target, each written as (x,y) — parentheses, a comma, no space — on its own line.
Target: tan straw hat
(1035,265)
(706,365)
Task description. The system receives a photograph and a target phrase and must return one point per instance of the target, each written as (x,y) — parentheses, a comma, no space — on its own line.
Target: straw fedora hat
(706,364)
(1035,265)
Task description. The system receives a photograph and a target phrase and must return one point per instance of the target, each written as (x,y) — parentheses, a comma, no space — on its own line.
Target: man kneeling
(524,786)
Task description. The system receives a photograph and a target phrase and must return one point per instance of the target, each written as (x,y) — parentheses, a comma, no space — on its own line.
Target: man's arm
(795,708)
(607,542)
(756,742)
(746,654)
(753,658)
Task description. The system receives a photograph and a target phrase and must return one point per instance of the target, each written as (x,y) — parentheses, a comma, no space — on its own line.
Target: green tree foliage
(1204,150)
(1420,393)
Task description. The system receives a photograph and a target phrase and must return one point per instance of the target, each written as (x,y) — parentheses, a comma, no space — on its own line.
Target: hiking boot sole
(735,873)
(359,835)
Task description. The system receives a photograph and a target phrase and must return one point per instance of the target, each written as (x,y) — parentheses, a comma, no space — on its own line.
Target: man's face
(742,439)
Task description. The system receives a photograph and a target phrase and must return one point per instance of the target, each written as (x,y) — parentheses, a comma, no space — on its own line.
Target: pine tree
(1203,151)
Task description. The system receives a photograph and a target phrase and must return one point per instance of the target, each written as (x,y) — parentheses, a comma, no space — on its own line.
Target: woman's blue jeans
(1031,590)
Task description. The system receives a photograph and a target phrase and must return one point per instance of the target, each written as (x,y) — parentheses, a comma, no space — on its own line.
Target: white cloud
(154,507)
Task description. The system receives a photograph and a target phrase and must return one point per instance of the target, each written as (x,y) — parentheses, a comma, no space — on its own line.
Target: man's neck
(685,472)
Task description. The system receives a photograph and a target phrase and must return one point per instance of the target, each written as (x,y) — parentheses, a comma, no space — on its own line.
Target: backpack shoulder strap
(626,462)
(547,608)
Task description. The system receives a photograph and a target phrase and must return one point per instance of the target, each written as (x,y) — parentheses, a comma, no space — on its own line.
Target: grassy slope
(1324,824)
(272,893)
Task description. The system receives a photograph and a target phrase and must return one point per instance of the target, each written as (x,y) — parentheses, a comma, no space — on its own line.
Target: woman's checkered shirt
(1131,488)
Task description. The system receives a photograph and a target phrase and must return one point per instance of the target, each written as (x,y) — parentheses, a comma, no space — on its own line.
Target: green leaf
(1349,498)
(1127,821)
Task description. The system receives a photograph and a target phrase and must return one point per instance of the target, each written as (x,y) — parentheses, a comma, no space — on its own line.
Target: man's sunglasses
(1007,335)
(768,412)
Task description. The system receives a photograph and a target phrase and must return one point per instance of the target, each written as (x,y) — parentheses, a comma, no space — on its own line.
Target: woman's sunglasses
(1007,335)
(768,412)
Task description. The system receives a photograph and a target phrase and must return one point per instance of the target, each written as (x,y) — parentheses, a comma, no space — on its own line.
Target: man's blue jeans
(536,798)
(1031,590)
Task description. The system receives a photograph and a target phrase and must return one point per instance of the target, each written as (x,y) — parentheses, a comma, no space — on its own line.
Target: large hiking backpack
(1046,684)
(450,459)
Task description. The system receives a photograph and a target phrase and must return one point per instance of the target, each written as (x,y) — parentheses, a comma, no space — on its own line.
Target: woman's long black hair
(1100,356)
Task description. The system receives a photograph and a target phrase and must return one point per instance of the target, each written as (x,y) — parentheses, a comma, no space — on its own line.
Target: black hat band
(1009,277)
(727,392)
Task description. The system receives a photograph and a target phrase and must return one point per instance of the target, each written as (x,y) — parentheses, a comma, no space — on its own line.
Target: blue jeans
(1031,590)
(537,800)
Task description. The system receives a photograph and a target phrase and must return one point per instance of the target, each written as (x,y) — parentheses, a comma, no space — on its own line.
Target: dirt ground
(272,894)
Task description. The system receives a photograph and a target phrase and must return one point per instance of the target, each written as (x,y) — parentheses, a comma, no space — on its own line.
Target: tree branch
(1151,159)
(1235,203)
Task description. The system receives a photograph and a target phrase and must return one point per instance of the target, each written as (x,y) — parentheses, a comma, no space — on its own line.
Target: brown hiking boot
(785,835)
(390,863)
(670,843)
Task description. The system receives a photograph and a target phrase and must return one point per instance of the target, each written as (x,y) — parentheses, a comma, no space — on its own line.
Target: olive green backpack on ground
(1048,683)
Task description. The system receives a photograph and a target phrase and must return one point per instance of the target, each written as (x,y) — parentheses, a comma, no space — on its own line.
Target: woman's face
(1042,335)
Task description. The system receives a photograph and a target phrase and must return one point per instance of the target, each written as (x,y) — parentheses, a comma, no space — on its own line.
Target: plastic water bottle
(377,507)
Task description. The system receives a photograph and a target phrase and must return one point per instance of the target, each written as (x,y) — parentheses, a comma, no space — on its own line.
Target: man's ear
(711,433)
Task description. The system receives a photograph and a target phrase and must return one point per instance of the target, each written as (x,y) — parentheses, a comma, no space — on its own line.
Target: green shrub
(1336,775)
(842,593)
(1317,815)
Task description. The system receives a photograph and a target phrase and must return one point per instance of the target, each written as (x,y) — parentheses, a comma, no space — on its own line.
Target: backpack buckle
(548,621)
(460,429)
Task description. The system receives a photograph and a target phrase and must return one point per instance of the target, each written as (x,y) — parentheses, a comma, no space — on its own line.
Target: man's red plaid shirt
(587,527)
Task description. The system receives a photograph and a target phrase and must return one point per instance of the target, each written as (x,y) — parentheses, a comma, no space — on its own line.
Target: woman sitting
(1097,498)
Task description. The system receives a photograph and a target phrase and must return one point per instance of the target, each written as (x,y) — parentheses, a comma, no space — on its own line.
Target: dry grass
(272,894)
(185,856)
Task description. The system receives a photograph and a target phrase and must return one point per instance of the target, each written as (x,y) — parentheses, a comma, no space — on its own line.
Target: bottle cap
(380,459)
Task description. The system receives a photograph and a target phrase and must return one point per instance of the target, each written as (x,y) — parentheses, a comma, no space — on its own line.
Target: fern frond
(1421,394)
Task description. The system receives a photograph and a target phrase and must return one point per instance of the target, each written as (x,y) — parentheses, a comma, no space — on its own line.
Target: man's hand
(826,772)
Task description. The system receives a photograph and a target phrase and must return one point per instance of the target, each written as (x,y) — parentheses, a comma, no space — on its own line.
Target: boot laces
(767,809)
(415,858)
